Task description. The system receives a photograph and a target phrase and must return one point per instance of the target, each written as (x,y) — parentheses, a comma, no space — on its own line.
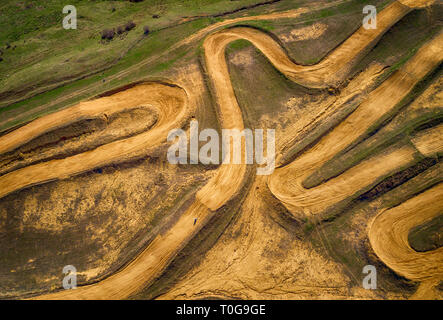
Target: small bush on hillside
(108,34)
(120,29)
(129,25)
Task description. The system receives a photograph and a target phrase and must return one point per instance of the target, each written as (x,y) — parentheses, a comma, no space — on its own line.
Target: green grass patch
(427,236)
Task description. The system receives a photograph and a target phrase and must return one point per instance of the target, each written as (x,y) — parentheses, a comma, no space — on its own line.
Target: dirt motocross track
(173,104)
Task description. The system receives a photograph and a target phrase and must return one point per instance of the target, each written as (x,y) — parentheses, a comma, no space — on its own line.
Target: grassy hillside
(39,54)
(48,68)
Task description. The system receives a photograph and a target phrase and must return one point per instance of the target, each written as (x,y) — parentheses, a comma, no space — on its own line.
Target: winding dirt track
(328,71)
(286,183)
(170,103)
(388,234)
(173,108)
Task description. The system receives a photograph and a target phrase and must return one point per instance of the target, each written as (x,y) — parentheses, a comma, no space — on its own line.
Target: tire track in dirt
(225,184)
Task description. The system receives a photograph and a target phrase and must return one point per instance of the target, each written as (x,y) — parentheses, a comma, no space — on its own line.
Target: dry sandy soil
(173,103)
